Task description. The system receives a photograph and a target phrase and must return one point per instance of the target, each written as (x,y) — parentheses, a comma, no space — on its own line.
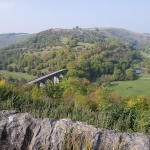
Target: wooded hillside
(12,38)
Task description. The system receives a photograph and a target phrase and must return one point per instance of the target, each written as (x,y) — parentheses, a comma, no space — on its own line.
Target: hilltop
(122,34)
(59,37)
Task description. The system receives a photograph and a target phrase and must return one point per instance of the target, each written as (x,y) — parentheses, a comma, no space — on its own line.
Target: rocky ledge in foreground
(22,131)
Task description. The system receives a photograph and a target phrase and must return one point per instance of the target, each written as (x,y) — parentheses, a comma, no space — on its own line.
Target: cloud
(9,4)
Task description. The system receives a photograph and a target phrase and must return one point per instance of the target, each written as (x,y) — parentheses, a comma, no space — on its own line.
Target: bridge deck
(43,77)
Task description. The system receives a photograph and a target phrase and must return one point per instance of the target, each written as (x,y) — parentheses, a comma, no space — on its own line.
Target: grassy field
(141,86)
(42,52)
(145,54)
(85,44)
(17,75)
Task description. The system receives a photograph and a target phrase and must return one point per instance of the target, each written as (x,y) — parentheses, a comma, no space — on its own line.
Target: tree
(15,69)
(36,93)
(130,74)
(39,74)
(96,29)
(10,68)
(54,91)
(72,42)
(11,79)
(33,72)
(104,81)
(117,75)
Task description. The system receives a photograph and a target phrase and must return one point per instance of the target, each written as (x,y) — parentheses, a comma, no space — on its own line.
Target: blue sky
(32,16)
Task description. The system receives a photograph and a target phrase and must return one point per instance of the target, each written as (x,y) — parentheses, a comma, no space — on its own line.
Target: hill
(88,53)
(12,38)
(122,34)
(59,37)
(127,35)
(108,57)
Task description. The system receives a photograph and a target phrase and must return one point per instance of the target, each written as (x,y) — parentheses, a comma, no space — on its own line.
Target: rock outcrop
(23,131)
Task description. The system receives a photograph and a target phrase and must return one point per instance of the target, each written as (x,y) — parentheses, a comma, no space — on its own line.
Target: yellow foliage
(68,94)
(2,83)
(115,98)
(138,103)
(95,97)
(36,92)
(80,101)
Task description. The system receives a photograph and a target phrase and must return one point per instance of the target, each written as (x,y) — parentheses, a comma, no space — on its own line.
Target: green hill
(82,58)
(88,53)
(59,37)
(122,34)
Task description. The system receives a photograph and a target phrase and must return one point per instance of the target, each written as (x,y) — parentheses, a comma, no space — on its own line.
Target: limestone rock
(23,131)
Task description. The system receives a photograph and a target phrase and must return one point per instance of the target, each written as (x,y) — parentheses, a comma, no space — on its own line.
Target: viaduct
(52,76)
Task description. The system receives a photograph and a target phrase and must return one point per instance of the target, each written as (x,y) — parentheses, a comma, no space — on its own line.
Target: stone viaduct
(55,76)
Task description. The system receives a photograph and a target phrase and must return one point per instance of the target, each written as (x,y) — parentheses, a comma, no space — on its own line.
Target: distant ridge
(56,37)
(122,33)
(7,39)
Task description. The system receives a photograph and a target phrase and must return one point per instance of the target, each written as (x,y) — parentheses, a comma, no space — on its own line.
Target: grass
(40,54)
(145,54)
(18,75)
(85,44)
(64,39)
(45,70)
(13,65)
(43,52)
(141,86)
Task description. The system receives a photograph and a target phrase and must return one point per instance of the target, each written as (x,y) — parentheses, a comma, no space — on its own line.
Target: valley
(100,86)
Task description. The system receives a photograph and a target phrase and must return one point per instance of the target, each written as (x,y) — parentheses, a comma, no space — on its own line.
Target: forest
(93,61)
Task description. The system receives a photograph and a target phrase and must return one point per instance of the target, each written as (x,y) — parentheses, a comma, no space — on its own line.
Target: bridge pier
(56,79)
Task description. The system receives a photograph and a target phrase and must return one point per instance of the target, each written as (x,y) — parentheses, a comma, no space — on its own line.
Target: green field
(141,86)
(17,75)
(145,54)
(85,44)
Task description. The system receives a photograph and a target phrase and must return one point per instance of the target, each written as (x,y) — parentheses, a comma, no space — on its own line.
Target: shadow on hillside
(114,84)
(138,76)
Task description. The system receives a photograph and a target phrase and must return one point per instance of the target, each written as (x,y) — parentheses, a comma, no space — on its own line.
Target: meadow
(145,54)
(140,86)
(18,75)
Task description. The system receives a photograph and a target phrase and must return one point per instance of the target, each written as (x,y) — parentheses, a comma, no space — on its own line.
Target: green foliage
(10,68)
(80,101)
(53,90)
(72,42)
(130,74)
(106,57)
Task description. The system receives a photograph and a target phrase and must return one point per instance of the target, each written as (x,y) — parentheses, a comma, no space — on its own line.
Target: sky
(33,16)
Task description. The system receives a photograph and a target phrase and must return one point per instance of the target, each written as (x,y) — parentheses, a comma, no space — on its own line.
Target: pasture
(18,75)
(141,86)
(144,54)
